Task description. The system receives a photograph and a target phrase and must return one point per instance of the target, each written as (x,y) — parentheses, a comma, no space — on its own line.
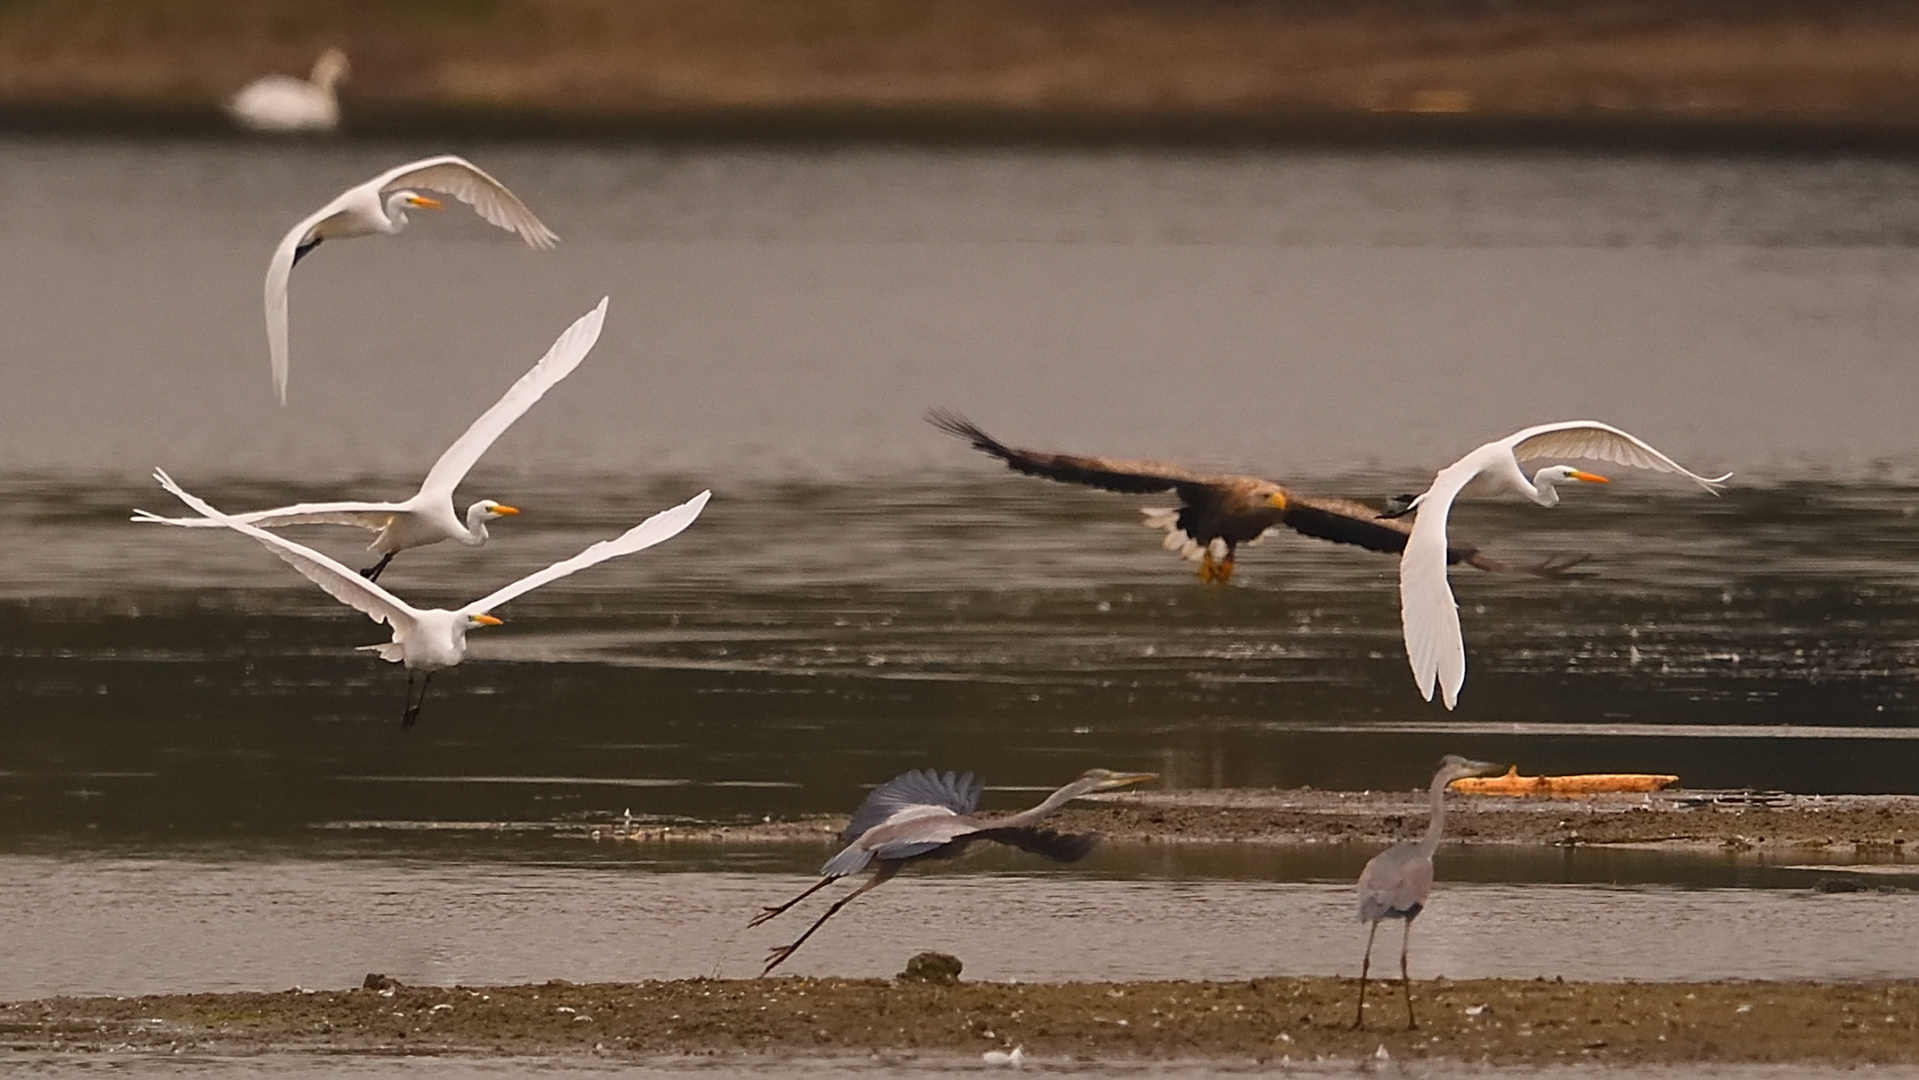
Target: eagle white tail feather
(1176,538)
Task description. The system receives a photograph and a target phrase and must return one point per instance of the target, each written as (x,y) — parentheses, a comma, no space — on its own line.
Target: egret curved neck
(476,533)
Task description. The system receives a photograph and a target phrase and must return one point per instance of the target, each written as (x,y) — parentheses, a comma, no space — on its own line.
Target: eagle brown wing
(1344,521)
(1111,474)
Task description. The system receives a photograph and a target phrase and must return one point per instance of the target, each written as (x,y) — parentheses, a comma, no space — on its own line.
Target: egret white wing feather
(566,353)
(661,526)
(1593,441)
(1428,613)
(278,271)
(467,182)
(342,584)
(369,516)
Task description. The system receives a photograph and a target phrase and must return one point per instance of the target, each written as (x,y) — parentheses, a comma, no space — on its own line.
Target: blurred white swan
(284,103)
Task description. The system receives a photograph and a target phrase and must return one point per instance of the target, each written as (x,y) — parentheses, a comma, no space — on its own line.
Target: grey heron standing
(926,815)
(1397,881)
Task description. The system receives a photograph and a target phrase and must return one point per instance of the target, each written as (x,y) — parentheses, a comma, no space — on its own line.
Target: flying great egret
(1397,881)
(379,206)
(428,517)
(427,640)
(1428,613)
(283,103)
(923,815)
(1218,511)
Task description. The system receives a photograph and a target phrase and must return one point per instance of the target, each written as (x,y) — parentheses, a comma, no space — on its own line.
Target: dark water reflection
(805,642)
(864,595)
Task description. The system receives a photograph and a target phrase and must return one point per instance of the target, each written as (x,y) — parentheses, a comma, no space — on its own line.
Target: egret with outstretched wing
(428,516)
(380,206)
(427,640)
(1428,614)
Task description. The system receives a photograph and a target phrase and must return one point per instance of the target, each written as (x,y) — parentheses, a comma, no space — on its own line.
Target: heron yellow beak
(1128,780)
(425,202)
(1590,478)
(507,510)
(486,620)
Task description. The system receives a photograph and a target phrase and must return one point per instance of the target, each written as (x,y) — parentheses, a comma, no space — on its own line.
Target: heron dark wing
(1111,474)
(919,787)
(1060,847)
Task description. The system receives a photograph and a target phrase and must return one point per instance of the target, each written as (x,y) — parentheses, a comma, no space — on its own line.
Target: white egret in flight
(428,516)
(427,640)
(284,103)
(379,206)
(1427,611)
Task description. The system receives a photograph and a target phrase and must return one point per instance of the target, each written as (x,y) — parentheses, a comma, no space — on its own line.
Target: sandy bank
(1265,1019)
(1883,827)
(1675,73)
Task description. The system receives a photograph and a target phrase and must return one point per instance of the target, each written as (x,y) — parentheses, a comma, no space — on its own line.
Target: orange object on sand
(1559,786)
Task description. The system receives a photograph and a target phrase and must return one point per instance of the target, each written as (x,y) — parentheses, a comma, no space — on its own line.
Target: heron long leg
(778,956)
(372,573)
(767,913)
(412,714)
(1359,1017)
(1406,980)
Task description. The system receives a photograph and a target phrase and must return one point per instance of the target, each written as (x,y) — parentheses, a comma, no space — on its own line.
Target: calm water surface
(866,595)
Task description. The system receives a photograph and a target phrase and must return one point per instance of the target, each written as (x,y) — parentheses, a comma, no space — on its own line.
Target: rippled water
(867,595)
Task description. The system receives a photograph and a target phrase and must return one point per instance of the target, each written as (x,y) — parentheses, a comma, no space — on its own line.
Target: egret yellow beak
(425,202)
(1128,780)
(1590,478)
(486,620)
(507,510)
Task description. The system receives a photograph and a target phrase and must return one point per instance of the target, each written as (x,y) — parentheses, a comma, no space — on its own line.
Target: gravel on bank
(1864,825)
(1269,1020)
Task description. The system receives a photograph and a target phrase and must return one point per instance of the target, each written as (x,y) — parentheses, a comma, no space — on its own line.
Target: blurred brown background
(1004,63)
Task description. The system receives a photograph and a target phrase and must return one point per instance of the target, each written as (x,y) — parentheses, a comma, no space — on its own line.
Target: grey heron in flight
(927,815)
(1397,881)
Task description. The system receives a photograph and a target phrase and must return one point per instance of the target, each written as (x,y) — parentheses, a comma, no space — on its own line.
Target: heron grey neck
(1430,844)
(1053,802)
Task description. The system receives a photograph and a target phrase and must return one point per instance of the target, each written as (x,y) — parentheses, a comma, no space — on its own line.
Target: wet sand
(1504,1022)
(1862,825)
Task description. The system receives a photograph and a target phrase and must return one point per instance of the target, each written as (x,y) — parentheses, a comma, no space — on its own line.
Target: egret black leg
(1365,966)
(412,714)
(767,913)
(372,573)
(778,956)
(1406,980)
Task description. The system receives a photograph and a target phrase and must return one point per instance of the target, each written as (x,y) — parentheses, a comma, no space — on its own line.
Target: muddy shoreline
(1268,1020)
(1871,827)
